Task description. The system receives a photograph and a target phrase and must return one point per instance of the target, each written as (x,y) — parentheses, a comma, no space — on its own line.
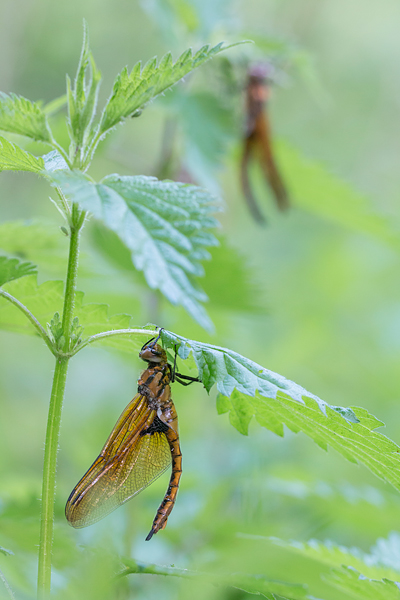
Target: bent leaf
(19,115)
(12,268)
(164,224)
(248,390)
(14,158)
(133,90)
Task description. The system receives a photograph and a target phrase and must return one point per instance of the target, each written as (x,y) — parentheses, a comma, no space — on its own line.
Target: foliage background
(321,306)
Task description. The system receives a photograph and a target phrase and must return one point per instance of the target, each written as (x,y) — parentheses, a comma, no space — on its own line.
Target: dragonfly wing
(130,461)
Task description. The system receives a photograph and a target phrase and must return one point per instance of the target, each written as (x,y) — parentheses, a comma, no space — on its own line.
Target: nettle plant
(166,227)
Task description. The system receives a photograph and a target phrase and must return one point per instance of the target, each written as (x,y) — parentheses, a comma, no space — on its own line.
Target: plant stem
(49,477)
(113,332)
(55,410)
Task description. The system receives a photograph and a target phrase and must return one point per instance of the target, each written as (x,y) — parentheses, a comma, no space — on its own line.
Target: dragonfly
(142,445)
(258,139)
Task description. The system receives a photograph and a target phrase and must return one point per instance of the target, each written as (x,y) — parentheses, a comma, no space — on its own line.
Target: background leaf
(19,115)
(335,555)
(317,190)
(164,224)
(12,268)
(38,242)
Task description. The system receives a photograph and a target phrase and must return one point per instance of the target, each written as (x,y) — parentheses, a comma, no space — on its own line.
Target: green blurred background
(313,296)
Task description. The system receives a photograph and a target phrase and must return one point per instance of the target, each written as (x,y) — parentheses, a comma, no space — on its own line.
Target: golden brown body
(258,139)
(139,449)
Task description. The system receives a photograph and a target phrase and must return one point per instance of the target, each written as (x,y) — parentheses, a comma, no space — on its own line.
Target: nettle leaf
(14,158)
(356,585)
(208,127)
(53,161)
(12,268)
(43,301)
(333,555)
(82,97)
(41,243)
(19,115)
(133,90)
(318,191)
(164,224)
(231,283)
(47,299)
(248,390)
(259,585)
(386,552)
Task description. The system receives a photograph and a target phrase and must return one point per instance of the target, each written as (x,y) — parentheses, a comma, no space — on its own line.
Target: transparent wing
(129,462)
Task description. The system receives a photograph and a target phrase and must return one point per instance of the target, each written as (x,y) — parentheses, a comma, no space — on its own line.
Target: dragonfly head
(153,353)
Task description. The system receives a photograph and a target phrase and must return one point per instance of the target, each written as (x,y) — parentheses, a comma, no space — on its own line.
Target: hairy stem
(54,416)
(114,332)
(49,477)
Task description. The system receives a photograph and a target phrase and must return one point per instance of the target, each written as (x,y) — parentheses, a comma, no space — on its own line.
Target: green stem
(105,334)
(49,477)
(54,416)
(72,275)
(39,328)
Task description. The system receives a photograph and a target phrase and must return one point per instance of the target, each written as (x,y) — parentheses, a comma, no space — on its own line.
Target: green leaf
(53,161)
(132,91)
(40,243)
(318,191)
(351,582)
(231,283)
(45,300)
(164,224)
(14,158)
(6,552)
(12,268)
(19,115)
(333,555)
(249,390)
(386,552)
(258,585)
(208,127)
(82,98)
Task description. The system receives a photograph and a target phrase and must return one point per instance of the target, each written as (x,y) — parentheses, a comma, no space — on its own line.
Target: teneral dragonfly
(140,448)
(257,140)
